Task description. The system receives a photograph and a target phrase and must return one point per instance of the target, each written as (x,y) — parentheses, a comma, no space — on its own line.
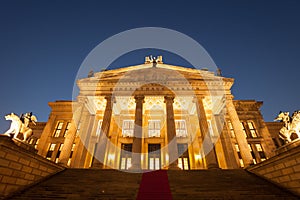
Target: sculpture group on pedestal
(20,125)
(291,125)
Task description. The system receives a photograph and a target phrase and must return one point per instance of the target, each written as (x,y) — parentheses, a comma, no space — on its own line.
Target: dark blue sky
(43,43)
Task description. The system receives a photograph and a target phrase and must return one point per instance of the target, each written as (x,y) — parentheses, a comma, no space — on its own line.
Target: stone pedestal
(20,165)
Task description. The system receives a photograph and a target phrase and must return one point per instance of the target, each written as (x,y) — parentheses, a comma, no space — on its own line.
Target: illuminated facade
(162,113)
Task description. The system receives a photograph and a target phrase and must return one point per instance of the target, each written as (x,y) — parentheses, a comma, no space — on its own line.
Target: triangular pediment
(150,77)
(150,72)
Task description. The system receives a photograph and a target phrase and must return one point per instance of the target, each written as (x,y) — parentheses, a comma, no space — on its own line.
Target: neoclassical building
(155,116)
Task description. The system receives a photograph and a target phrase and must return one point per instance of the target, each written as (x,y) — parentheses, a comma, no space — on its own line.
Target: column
(238,130)
(68,143)
(207,144)
(171,134)
(137,133)
(225,139)
(84,137)
(100,149)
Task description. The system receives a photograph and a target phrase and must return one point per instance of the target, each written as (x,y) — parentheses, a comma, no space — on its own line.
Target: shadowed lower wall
(21,166)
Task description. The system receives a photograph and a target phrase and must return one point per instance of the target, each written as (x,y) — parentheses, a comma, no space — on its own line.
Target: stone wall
(21,166)
(282,169)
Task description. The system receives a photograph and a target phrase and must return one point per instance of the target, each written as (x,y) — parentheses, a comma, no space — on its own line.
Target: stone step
(112,184)
(223,184)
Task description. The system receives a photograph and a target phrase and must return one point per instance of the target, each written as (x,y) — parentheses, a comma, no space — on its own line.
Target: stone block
(276,173)
(285,178)
(6,171)
(19,174)
(270,169)
(24,161)
(295,176)
(287,171)
(2,154)
(43,168)
(36,172)
(15,166)
(289,163)
(12,157)
(2,186)
(30,177)
(34,165)
(50,170)
(22,182)
(9,180)
(293,184)
(43,174)
(10,188)
(279,166)
(296,168)
(26,169)
(4,162)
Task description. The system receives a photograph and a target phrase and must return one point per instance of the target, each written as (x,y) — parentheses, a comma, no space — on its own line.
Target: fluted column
(137,133)
(99,155)
(207,145)
(171,133)
(239,133)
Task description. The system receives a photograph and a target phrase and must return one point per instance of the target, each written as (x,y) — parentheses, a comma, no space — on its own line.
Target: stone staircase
(223,184)
(112,184)
(85,184)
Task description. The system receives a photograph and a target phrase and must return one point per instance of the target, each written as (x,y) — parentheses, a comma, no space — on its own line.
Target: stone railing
(20,166)
(282,169)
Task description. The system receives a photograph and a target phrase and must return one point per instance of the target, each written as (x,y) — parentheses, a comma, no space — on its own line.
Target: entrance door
(125,161)
(154,156)
(183,160)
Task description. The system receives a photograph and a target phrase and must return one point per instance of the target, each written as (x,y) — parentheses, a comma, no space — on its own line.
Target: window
(252,153)
(239,155)
(58,129)
(50,151)
(154,128)
(67,129)
(261,152)
(36,143)
(71,154)
(231,129)
(244,129)
(183,160)
(210,129)
(252,129)
(128,127)
(125,162)
(58,152)
(78,128)
(180,128)
(98,131)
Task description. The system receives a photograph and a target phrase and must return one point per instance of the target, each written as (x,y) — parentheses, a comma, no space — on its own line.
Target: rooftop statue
(20,125)
(291,125)
(154,60)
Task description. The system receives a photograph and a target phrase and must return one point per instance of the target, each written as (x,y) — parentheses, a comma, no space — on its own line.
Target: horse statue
(20,125)
(291,125)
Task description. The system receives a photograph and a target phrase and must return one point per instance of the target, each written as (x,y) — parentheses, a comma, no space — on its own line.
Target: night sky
(43,43)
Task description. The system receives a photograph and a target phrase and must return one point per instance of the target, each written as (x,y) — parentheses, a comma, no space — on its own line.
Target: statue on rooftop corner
(20,125)
(291,125)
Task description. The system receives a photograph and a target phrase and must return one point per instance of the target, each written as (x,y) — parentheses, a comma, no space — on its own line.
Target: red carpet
(155,185)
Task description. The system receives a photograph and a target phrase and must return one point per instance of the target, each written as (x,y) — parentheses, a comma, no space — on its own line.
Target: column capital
(229,97)
(139,98)
(169,98)
(198,97)
(110,98)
